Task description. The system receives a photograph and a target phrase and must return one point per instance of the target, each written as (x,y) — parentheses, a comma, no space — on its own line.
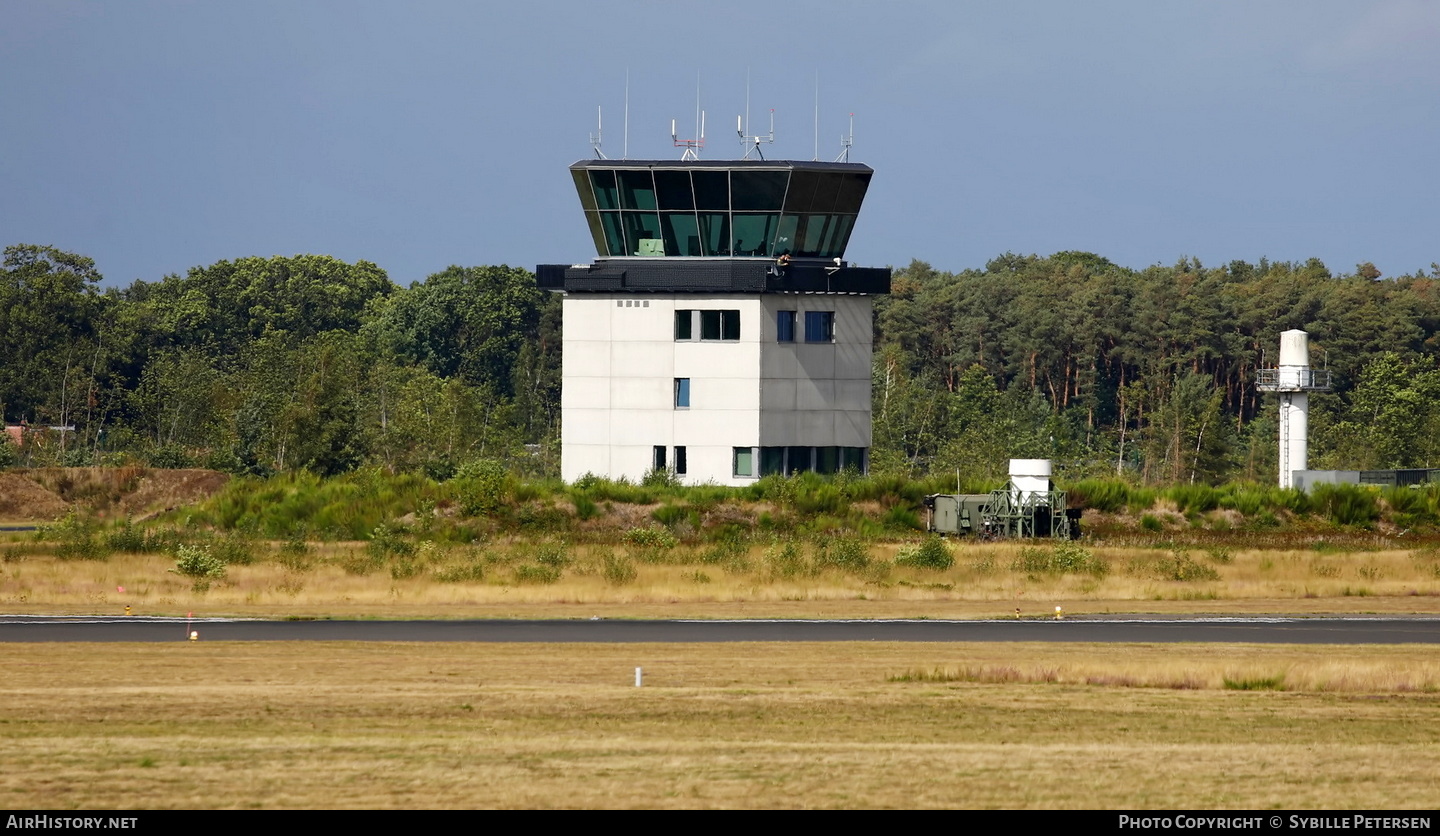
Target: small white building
(747,355)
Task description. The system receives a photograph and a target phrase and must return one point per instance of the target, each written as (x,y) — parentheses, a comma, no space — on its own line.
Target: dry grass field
(275,725)
(987,580)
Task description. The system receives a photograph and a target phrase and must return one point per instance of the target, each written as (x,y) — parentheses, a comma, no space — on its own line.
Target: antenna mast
(845,143)
(595,138)
(752,143)
(692,146)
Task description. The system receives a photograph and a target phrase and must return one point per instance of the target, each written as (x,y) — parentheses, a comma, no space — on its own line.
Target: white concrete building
(717,367)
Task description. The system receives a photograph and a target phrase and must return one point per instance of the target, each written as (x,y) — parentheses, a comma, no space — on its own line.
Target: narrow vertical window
(659,462)
(710,325)
(680,461)
(785,326)
(682,393)
(819,326)
(729,325)
(684,329)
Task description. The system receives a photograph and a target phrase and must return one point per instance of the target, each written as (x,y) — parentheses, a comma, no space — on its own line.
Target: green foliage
(1150,522)
(1178,565)
(198,562)
(844,553)
(531,574)
(1064,558)
(784,559)
(657,538)
(386,542)
(481,488)
(930,553)
(76,538)
(1347,505)
(617,570)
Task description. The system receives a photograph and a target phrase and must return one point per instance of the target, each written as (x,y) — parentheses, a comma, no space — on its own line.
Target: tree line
(282,364)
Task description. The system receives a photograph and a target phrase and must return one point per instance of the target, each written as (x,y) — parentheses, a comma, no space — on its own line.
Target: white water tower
(1293,380)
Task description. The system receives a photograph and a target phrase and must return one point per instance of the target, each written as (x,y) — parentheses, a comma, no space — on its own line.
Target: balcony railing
(1292,380)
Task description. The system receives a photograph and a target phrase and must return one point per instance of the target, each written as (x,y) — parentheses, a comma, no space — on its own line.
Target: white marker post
(638,676)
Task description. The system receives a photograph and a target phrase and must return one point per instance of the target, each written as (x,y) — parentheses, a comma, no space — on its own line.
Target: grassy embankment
(376,545)
(815,725)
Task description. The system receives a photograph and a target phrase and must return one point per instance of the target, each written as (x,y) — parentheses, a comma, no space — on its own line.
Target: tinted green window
(754,234)
(682,234)
(800,196)
(672,190)
(852,192)
(714,233)
(642,233)
(712,190)
(614,236)
(772,460)
(786,236)
(827,191)
(637,190)
(762,191)
(606,196)
(827,459)
(744,461)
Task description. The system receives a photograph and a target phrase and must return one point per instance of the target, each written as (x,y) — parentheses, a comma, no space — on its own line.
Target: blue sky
(157,135)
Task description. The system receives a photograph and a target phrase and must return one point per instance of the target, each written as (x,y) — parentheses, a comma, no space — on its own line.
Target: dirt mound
(48,492)
(24,499)
(164,490)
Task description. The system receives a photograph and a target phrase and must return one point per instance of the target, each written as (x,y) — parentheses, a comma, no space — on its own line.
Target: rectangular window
(772,460)
(819,326)
(682,393)
(785,326)
(744,461)
(729,325)
(659,460)
(713,325)
(797,459)
(710,325)
(680,461)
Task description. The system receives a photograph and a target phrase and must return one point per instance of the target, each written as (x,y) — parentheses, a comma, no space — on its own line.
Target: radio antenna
(595,138)
(692,146)
(752,143)
(846,141)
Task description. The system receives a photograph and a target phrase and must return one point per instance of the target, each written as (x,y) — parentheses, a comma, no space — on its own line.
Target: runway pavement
(1269,630)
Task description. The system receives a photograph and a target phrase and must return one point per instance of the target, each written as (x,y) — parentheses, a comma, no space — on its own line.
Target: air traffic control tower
(719,333)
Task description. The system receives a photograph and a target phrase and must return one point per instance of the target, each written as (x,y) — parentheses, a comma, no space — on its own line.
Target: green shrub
(1065,558)
(930,553)
(617,571)
(1150,522)
(75,537)
(585,507)
(527,573)
(1178,565)
(480,486)
(388,542)
(844,553)
(197,562)
(1348,505)
(784,559)
(649,538)
(471,571)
